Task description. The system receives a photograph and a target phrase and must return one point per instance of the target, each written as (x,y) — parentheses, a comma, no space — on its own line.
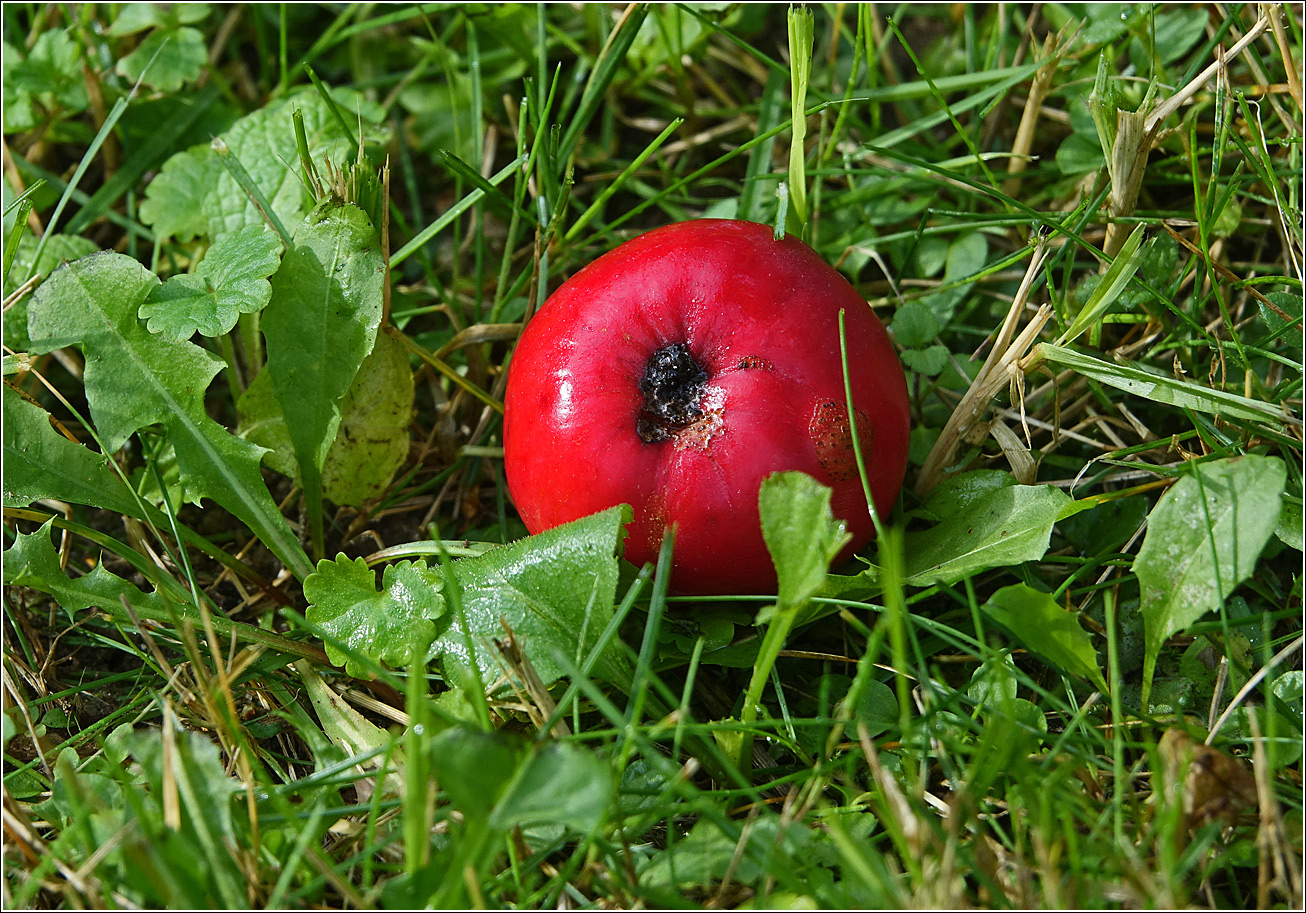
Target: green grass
(1068,673)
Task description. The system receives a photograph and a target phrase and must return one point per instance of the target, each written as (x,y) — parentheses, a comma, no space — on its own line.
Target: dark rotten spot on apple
(673,385)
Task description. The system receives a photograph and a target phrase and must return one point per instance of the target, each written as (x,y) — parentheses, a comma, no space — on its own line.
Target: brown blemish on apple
(832,436)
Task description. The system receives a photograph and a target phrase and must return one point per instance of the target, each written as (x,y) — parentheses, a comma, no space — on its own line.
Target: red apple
(678,371)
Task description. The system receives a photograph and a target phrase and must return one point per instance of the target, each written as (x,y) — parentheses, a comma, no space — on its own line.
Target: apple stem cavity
(673,385)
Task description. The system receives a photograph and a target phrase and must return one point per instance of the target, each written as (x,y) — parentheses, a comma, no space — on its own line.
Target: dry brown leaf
(1211,784)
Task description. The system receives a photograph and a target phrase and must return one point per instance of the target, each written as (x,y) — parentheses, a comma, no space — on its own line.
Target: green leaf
(197,852)
(555,590)
(966,256)
(372,442)
(373,439)
(561,784)
(167,59)
(42,463)
(231,280)
(1177,30)
(1203,539)
(393,625)
(1004,526)
(1079,154)
(1290,687)
(1035,620)
(705,856)
(349,729)
(931,256)
(58,248)
(993,685)
(1163,388)
(1291,305)
(134,379)
(1289,529)
(475,768)
(137,17)
(958,492)
(50,76)
(801,37)
(194,195)
(914,325)
(319,326)
(877,708)
(801,534)
(32,561)
(929,362)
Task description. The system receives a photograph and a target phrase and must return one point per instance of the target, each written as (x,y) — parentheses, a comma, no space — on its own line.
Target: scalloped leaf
(231,280)
(394,624)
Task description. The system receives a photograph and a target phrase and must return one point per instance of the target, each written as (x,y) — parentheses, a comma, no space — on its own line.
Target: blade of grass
(16,235)
(160,141)
(619,181)
(452,213)
(605,69)
(231,162)
(801,37)
(91,151)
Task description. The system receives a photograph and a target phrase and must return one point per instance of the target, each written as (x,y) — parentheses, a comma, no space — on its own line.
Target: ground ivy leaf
(167,59)
(1203,539)
(966,256)
(393,625)
(555,590)
(321,324)
(248,254)
(914,324)
(42,463)
(231,280)
(1046,629)
(929,361)
(194,195)
(801,534)
(181,306)
(48,77)
(137,17)
(134,379)
(1001,527)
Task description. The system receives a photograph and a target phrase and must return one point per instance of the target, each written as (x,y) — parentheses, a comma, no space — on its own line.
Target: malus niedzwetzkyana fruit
(678,371)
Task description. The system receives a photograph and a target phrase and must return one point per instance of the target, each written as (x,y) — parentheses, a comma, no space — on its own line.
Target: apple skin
(761,318)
